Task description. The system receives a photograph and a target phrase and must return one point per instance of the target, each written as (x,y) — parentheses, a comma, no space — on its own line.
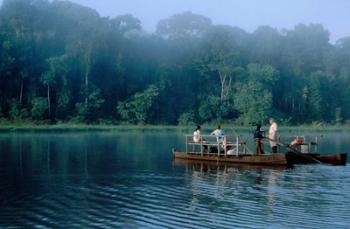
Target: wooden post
(225,146)
(309,148)
(201,139)
(218,148)
(244,144)
(316,146)
(186,145)
(237,145)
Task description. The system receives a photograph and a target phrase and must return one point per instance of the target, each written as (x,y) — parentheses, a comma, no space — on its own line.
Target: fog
(249,14)
(62,62)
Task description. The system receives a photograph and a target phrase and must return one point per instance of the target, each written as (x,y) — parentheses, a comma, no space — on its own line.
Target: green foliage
(138,108)
(62,61)
(338,116)
(187,118)
(16,112)
(88,112)
(39,108)
(253,101)
(209,108)
(63,104)
(263,73)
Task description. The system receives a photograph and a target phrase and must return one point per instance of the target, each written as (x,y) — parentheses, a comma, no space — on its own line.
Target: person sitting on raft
(220,138)
(197,137)
(296,142)
(219,133)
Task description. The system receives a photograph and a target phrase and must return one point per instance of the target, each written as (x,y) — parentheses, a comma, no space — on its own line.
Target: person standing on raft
(273,135)
(258,135)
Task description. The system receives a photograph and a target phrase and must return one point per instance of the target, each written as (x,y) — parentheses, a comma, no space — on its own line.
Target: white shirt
(197,136)
(219,133)
(273,131)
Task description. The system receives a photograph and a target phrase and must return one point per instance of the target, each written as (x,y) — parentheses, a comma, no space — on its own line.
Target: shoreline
(125,127)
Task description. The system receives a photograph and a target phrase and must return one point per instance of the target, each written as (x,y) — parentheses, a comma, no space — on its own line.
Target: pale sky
(334,15)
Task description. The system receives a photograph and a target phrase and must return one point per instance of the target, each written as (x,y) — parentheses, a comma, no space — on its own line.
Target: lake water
(130,180)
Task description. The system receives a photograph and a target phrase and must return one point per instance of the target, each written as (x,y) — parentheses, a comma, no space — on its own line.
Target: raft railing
(305,146)
(311,146)
(213,141)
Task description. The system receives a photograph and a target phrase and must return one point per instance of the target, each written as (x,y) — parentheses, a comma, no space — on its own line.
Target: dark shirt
(259,134)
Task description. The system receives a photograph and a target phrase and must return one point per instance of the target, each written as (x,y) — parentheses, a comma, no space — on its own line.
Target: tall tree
(57,69)
(183,26)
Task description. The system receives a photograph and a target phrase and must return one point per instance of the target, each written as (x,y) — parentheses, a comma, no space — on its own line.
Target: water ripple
(115,190)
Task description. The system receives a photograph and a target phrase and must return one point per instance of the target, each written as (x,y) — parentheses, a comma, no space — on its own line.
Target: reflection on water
(130,180)
(304,196)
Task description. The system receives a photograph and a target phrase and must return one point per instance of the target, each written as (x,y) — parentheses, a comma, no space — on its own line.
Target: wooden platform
(271,159)
(278,159)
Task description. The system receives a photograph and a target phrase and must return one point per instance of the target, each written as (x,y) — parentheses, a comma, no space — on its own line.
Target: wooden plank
(273,159)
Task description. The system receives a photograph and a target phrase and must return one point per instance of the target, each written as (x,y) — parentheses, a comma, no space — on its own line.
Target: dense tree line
(60,61)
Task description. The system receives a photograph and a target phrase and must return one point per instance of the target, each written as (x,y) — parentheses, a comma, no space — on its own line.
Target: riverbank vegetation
(7,126)
(61,62)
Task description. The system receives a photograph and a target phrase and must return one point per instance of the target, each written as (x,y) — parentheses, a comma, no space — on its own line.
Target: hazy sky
(247,14)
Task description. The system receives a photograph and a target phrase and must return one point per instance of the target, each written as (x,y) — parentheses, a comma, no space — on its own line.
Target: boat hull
(279,159)
(271,160)
(336,159)
(314,158)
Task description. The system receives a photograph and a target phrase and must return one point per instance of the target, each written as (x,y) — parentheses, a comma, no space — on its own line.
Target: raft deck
(278,159)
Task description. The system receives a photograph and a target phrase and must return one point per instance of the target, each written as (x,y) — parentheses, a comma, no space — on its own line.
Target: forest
(61,62)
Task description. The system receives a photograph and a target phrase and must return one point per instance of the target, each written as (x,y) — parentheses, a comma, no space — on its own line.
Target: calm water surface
(130,180)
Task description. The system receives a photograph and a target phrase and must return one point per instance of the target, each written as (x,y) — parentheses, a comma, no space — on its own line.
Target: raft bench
(210,140)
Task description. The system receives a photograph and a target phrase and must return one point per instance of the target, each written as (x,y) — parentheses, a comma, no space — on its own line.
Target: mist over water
(130,180)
